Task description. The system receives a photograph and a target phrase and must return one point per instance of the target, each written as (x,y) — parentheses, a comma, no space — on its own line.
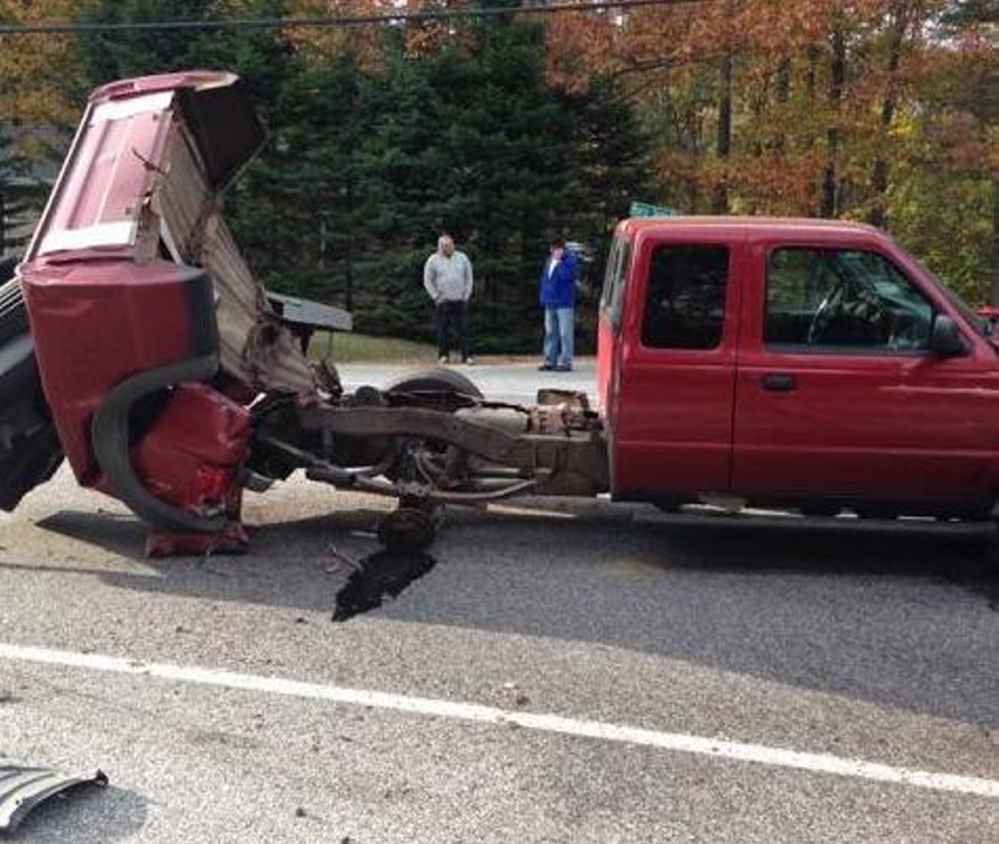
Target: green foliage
(363,348)
(460,127)
(19,197)
(366,167)
(945,219)
(258,56)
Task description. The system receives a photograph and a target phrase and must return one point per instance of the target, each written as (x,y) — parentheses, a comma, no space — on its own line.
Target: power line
(335,22)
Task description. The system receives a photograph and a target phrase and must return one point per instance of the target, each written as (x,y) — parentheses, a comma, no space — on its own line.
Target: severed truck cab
(810,363)
(793,362)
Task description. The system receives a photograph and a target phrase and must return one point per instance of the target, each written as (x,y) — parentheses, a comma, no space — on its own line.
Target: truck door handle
(778,382)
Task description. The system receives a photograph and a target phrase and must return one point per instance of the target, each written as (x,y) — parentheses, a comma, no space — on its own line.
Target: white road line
(820,763)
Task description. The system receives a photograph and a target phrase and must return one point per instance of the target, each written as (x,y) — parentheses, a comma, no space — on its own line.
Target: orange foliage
(321,43)
(789,122)
(31,65)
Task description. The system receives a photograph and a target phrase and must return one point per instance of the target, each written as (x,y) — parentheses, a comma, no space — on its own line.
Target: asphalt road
(729,633)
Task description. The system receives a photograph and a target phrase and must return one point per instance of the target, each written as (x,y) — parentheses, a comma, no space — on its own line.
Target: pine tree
(367,166)
(18,197)
(473,140)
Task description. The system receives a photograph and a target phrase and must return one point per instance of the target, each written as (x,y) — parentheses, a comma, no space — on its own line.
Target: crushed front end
(152,336)
(172,380)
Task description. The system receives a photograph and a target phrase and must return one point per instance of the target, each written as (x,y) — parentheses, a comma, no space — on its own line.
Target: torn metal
(170,378)
(24,789)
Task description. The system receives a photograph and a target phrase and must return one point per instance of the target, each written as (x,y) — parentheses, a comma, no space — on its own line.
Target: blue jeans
(559,330)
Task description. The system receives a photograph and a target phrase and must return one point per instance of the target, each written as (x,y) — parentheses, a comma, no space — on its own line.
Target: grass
(362,348)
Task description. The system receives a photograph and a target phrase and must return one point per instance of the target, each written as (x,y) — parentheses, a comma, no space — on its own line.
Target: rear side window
(612,296)
(845,300)
(685,298)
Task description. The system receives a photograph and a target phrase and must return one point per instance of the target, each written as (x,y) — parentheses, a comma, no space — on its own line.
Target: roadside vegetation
(507,130)
(362,348)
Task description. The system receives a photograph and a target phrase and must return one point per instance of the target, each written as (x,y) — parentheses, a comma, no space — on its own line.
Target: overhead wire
(337,21)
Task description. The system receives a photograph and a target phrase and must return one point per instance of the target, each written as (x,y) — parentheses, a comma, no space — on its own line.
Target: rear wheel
(30,450)
(439,388)
(13,314)
(424,461)
(992,550)
(668,505)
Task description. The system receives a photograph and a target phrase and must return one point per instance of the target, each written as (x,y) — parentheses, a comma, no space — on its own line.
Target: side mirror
(945,338)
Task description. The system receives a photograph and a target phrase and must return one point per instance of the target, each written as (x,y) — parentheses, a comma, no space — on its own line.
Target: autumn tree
(32,67)
(871,110)
(817,108)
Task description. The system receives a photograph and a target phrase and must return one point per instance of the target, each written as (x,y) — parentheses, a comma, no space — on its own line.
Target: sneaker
(442,360)
(469,361)
(564,367)
(545,368)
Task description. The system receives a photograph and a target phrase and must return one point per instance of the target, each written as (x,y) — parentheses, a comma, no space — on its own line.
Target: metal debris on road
(340,563)
(23,789)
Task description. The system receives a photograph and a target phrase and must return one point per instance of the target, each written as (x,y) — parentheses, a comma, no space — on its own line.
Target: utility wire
(336,22)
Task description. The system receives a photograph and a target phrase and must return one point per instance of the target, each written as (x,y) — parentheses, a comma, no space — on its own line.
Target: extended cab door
(610,316)
(839,395)
(670,403)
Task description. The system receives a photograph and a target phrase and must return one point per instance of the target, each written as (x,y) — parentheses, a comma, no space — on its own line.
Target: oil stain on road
(379,576)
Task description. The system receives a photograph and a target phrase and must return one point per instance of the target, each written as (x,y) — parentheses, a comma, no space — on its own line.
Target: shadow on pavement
(903,616)
(86,816)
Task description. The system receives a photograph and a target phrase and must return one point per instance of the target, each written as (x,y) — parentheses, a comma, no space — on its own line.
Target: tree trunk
(783,86)
(348,278)
(719,202)
(995,237)
(812,55)
(829,206)
(879,179)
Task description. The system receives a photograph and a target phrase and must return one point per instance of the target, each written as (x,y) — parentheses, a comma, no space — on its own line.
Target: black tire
(668,505)
(437,389)
(408,529)
(32,451)
(13,314)
(992,551)
(434,380)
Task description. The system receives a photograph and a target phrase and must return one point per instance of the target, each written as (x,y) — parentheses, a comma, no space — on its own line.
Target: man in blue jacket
(557,295)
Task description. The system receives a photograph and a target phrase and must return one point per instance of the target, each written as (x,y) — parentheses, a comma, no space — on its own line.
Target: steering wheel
(824,313)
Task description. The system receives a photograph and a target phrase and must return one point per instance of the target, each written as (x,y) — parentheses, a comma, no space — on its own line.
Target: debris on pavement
(519,698)
(22,789)
(384,574)
(340,563)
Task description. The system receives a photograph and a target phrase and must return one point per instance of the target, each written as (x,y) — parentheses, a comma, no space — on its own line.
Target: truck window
(843,299)
(685,300)
(612,295)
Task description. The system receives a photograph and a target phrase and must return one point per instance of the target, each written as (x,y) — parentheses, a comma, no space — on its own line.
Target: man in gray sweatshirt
(447,276)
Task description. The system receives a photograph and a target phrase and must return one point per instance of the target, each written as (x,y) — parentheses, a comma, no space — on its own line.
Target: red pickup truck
(801,362)
(792,362)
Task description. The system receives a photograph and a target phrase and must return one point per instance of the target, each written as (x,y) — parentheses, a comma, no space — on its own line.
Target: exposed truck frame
(171,379)
(167,376)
